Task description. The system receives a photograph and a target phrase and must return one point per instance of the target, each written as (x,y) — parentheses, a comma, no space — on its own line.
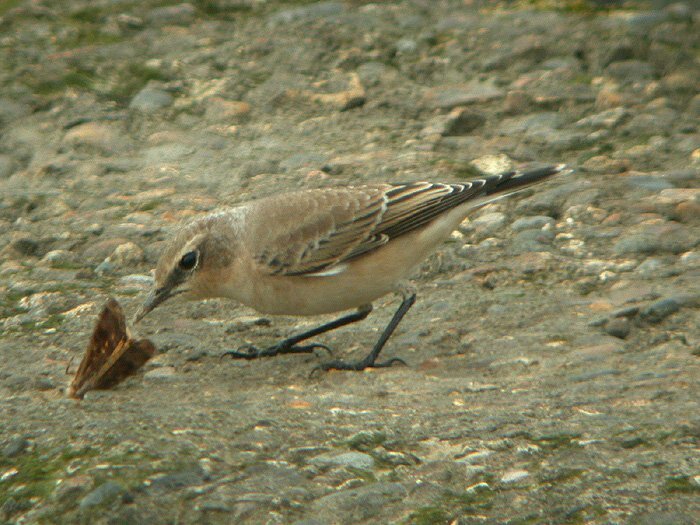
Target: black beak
(155,297)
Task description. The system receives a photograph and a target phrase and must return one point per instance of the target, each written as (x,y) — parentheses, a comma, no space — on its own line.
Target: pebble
(649,182)
(359,504)
(657,238)
(126,255)
(7,166)
(406,46)
(136,280)
(151,99)
(650,268)
(163,373)
(690,259)
(105,493)
(514,476)
(307,12)
(619,327)
(532,241)
(659,310)
(26,246)
(15,447)
(662,517)
(181,14)
(58,257)
(492,164)
(460,121)
(177,480)
(605,119)
(532,222)
(358,460)
(448,97)
(100,137)
(488,223)
(220,109)
(69,489)
(629,71)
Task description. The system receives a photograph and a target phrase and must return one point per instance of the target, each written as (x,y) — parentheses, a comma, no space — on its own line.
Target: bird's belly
(317,295)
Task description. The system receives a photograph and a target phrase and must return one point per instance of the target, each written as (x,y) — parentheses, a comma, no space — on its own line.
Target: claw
(253,352)
(356,366)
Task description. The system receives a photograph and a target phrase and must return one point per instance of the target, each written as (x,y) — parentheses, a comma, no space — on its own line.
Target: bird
(321,251)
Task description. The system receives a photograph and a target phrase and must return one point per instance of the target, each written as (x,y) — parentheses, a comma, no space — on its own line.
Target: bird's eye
(188,261)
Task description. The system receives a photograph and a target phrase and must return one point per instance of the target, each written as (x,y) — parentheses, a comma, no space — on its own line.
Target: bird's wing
(314,232)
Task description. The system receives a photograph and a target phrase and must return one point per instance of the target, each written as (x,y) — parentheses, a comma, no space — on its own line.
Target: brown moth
(111,355)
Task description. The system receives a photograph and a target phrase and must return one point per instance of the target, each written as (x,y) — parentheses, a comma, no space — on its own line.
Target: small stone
(489,223)
(15,447)
(105,493)
(163,373)
(104,268)
(101,137)
(127,254)
(7,166)
(58,257)
(448,97)
(517,102)
(312,11)
(358,460)
(461,121)
(606,119)
(649,182)
(650,268)
(619,327)
(406,46)
(220,109)
(629,71)
(532,241)
(43,384)
(667,237)
(604,164)
(493,164)
(514,476)
(690,259)
(359,504)
(532,222)
(136,280)
(694,105)
(680,83)
(150,99)
(25,246)
(71,488)
(178,480)
(662,518)
(11,506)
(659,310)
(181,14)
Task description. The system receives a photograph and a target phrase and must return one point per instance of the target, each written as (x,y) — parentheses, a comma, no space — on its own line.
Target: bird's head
(188,266)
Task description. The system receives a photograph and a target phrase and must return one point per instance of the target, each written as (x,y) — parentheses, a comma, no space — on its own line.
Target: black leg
(290,346)
(370,360)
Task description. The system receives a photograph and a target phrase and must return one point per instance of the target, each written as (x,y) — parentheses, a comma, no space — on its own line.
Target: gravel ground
(553,371)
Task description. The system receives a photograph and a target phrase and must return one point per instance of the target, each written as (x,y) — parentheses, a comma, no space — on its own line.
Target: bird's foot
(357,366)
(285,347)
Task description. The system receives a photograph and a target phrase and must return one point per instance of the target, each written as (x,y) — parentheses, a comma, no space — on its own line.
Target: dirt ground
(552,356)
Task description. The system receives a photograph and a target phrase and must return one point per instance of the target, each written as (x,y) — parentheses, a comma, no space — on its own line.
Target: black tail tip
(515,180)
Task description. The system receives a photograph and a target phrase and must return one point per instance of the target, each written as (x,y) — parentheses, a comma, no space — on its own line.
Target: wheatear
(321,251)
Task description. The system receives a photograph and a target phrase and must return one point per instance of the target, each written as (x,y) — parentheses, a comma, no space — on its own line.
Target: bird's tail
(512,181)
